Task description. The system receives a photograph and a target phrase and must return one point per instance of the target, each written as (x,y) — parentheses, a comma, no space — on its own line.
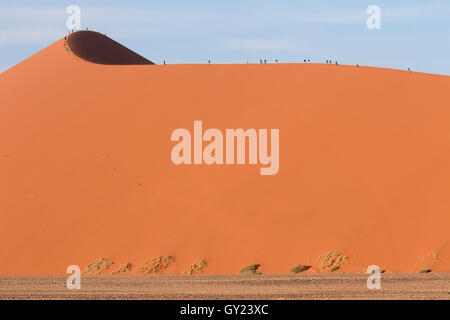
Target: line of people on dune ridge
(261,61)
(264,61)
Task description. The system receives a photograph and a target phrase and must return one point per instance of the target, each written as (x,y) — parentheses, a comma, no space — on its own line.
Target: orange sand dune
(85,167)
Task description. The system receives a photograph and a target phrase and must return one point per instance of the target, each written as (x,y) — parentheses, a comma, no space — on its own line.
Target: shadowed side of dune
(98,48)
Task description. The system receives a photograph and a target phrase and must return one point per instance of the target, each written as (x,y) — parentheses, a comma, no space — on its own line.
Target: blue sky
(413,33)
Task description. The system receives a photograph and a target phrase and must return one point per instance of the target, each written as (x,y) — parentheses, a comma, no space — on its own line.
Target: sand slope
(85,169)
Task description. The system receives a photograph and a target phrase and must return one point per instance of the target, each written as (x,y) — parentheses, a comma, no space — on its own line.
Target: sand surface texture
(323,286)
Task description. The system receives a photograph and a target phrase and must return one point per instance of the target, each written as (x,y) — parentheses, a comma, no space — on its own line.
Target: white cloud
(276,45)
(31,14)
(111,14)
(408,12)
(332,16)
(30,35)
(40,24)
(423,11)
(35,24)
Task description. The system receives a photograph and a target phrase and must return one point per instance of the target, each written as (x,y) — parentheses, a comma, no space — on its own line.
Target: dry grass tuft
(299,268)
(251,269)
(425,271)
(98,266)
(123,268)
(197,267)
(429,261)
(333,260)
(381,271)
(155,264)
(334,268)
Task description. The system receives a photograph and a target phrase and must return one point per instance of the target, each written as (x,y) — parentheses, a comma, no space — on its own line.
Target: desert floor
(324,286)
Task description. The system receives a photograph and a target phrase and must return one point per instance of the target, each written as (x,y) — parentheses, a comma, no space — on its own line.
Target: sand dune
(85,168)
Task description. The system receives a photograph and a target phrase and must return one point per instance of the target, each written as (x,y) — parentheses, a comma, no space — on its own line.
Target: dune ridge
(85,169)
